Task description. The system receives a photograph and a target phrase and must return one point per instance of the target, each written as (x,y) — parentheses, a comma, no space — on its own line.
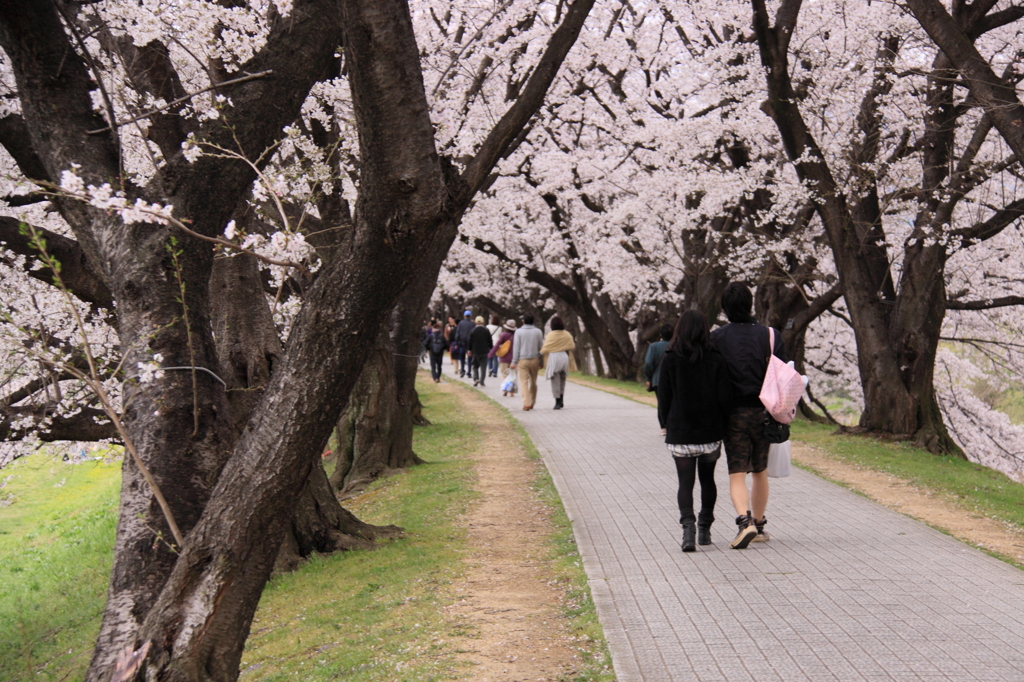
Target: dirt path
(896,493)
(505,600)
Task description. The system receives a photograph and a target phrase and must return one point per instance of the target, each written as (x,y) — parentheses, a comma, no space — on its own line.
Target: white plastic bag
(778,460)
(509,384)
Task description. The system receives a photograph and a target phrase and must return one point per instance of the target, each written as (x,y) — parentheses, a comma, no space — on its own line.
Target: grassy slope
(971,486)
(358,616)
(56,545)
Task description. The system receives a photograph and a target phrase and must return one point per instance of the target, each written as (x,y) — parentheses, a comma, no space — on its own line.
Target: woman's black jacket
(694,398)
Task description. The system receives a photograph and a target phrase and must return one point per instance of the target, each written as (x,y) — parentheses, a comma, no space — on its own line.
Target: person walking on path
(495,329)
(694,398)
(479,346)
(502,351)
(435,345)
(526,359)
(462,332)
(558,359)
(744,345)
(449,337)
(652,365)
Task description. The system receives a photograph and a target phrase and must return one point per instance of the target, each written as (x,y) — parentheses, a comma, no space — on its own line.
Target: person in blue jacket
(652,363)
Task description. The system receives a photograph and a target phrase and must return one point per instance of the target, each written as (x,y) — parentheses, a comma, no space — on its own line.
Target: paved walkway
(845,590)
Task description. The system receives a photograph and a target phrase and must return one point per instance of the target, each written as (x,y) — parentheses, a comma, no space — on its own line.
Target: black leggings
(703,467)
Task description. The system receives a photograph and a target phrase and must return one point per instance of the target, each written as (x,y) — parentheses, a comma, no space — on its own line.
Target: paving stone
(845,590)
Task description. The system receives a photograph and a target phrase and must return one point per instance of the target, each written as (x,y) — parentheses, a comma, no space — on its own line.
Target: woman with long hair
(694,398)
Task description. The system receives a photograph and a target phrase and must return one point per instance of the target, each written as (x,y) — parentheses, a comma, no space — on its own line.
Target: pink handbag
(782,387)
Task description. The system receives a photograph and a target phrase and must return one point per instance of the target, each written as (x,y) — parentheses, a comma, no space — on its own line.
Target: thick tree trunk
(249,348)
(891,406)
(319,524)
(374,432)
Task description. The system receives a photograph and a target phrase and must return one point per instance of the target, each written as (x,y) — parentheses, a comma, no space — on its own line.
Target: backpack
(782,388)
(437,343)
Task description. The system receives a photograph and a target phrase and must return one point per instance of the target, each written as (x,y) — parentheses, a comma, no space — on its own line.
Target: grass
(56,548)
(368,616)
(360,616)
(379,615)
(627,389)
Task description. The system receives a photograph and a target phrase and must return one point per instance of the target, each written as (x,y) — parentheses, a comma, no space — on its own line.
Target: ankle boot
(689,530)
(558,404)
(704,534)
(704,522)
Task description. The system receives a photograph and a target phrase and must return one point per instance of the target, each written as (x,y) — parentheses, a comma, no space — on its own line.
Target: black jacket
(745,349)
(694,398)
(462,332)
(480,342)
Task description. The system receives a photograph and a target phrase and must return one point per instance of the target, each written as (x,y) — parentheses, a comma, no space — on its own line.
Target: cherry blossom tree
(146,196)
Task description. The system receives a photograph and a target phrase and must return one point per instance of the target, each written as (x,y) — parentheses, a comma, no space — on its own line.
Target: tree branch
(986,304)
(75,270)
(999,100)
(532,96)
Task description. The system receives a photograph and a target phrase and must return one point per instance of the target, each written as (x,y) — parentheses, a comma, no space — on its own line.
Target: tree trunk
(319,524)
(891,406)
(249,348)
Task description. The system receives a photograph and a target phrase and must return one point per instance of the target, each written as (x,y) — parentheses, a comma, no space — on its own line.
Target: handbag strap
(771,344)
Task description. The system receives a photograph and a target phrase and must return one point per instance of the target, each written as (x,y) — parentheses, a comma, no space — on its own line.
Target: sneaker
(761,536)
(747,532)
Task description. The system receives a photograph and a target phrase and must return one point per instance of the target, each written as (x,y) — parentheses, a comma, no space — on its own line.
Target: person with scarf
(557,358)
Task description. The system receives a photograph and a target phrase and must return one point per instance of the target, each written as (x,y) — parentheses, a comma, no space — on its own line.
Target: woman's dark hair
(527,318)
(557,324)
(691,337)
(495,319)
(665,333)
(737,302)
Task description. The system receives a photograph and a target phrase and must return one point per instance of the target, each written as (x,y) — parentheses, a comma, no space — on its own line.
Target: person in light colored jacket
(559,360)
(526,359)
(508,333)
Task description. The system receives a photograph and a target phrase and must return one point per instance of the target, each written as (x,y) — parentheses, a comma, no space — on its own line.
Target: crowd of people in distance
(707,383)
(480,350)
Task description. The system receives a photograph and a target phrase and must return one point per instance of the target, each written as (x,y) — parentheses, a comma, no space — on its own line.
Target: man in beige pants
(526,347)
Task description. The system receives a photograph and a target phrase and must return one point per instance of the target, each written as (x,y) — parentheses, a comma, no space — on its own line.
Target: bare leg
(738,493)
(759,494)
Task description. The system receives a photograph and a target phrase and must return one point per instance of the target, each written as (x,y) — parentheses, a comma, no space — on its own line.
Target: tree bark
(235,505)
(893,402)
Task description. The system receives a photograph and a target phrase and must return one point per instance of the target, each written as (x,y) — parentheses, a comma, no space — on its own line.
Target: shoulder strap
(771,343)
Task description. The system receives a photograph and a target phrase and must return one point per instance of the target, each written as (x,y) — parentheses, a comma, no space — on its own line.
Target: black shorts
(746,448)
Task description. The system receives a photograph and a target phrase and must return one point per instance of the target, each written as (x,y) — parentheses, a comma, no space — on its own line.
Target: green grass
(374,616)
(634,388)
(972,486)
(379,615)
(359,616)
(56,547)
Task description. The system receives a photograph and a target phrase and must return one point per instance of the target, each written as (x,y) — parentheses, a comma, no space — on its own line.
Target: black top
(745,349)
(480,341)
(694,398)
